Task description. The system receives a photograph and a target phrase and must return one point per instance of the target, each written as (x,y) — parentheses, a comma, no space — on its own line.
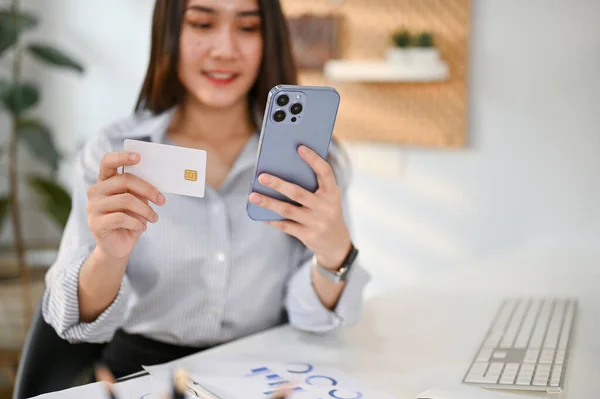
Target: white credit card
(171,169)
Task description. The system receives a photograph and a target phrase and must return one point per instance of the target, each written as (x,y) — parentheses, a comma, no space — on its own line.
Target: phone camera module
(296,108)
(282,100)
(279,116)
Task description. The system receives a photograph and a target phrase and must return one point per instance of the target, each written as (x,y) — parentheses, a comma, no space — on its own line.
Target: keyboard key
(541,376)
(513,327)
(528,367)
(524,380)
(494,371)
(484,355)
(556,372)
(500,324)
(551,339)
(477,373)
(541,382)
(475,378)
(524,376)
(489,375)
(560,356)
(531,356)
(508,379)
(547,356)
(509,374)
(541,326)
(511,366)
(528,324)
(566,327)
(543,368)
(500,355)
(480,367)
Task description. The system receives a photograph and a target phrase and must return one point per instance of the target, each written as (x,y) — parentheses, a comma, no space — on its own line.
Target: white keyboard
(526,347)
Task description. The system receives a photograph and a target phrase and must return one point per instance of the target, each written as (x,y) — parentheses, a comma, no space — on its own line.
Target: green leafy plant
(401,38)
(17,98)
(425,40)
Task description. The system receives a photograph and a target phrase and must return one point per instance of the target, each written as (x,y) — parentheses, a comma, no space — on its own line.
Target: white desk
(426,336)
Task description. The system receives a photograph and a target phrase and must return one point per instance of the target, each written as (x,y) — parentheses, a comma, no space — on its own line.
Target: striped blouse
(204,274)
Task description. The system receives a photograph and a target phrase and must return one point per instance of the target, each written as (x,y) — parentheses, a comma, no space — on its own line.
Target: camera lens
(279,116)
(296,108)
(283,100)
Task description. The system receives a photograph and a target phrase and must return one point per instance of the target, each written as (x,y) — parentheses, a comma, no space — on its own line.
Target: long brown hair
(162,88)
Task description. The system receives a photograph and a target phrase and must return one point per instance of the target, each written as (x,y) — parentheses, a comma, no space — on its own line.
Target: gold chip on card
(190,175)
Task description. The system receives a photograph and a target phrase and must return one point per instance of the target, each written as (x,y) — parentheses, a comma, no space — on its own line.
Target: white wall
(528,180)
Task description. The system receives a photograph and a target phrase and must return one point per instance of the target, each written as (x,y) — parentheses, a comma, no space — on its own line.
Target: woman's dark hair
(162,88)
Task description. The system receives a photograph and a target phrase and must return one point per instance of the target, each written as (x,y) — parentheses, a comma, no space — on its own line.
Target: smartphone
(294,116)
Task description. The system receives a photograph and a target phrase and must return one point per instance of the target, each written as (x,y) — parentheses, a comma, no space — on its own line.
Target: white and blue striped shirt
(204,274)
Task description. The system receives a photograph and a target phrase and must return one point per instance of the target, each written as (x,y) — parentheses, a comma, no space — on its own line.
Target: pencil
(196,389)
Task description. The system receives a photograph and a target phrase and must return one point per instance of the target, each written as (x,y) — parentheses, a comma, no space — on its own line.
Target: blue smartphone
(294,116)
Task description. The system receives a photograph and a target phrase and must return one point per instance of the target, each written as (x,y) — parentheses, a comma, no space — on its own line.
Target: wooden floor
(5,393)
(5,388)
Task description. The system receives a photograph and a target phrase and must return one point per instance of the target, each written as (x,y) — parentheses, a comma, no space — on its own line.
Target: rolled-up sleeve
(305,309)
(60,305)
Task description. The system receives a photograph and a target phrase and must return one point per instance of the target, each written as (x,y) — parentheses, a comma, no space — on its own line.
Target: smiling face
(217,53)
(220,50)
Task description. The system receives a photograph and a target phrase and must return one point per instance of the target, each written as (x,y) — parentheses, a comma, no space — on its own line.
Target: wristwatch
(343,272)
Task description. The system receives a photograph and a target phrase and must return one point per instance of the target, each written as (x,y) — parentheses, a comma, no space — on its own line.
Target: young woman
(162,276)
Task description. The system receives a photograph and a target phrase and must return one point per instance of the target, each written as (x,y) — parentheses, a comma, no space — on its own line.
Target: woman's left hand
(319,223)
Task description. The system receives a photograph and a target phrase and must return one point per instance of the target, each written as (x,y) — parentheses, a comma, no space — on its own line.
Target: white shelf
(382,71)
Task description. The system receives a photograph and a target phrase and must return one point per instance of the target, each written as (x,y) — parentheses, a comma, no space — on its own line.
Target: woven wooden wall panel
(420,114)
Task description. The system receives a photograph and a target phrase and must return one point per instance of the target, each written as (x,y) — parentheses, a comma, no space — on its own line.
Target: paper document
(236,378)
(95,390)
(146,387)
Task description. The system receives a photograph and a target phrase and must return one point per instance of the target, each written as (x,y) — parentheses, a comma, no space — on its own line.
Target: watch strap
(342,273)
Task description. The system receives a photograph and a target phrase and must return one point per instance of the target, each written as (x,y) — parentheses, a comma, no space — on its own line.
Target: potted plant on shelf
(424,51)
(400,53)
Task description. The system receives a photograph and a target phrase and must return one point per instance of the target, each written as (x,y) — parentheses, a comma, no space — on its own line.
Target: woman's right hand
(118,206)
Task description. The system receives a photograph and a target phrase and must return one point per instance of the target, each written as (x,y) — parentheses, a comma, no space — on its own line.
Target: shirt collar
(247,156)
(154,128)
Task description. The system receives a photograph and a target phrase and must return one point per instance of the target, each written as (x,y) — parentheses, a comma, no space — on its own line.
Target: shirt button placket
(219,272)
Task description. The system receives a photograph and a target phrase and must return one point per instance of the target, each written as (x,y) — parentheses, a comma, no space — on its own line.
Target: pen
(182,377)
